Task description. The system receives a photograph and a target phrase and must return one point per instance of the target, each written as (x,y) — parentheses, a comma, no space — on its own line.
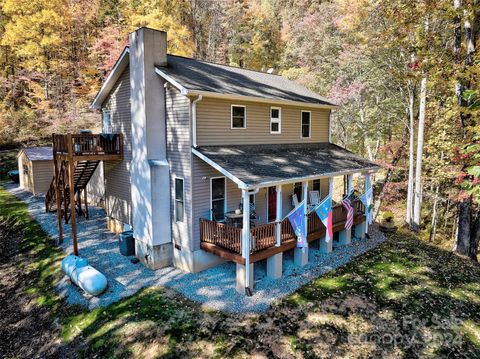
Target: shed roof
(254,166)
(39,153)
(196,75)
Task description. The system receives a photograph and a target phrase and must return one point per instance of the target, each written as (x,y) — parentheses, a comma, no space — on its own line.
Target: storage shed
(35,167)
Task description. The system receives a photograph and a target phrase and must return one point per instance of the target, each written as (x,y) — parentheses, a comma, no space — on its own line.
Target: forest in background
(405,74)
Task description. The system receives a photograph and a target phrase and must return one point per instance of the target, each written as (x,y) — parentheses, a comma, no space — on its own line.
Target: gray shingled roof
(198,75)
(257,165)
(39,153)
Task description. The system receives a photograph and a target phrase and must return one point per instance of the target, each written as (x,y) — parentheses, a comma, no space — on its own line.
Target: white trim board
(117,70)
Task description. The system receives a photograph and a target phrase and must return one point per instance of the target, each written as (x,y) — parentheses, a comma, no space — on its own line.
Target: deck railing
(264,236)
(221,235)
(88,144)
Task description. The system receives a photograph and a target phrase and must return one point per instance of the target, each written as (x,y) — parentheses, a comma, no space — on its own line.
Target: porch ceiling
(253,166)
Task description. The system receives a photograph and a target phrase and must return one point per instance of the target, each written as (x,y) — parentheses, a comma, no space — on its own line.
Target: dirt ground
(26,328)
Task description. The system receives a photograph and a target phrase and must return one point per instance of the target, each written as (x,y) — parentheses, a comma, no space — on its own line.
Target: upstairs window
(275,120)
(179,200)
(107,121)
(238,116)
(306,119)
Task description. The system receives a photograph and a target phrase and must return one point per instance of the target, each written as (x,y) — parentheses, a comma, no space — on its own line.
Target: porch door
(218,196)
(272,204)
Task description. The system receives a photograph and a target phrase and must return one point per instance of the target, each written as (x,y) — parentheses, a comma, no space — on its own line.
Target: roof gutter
(312,177)
(194,120)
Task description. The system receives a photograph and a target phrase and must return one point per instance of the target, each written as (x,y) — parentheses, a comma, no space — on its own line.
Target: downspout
(194,120)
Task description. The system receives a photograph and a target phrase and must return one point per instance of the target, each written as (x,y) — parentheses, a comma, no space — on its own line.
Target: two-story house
(200,141)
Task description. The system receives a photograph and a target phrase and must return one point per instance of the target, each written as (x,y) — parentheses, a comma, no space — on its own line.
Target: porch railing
(87,144)
(221,235)
(264,236)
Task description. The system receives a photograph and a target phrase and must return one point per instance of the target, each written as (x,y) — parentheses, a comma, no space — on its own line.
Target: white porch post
(367,182)
(245,272)
(327,247)
(345,236)
(300,255)
(274,263)
(349,183)
(279,216)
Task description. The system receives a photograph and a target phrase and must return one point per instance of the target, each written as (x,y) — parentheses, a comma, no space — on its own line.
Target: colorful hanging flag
(324,212)
(297,219)
(347,203)
(367,199)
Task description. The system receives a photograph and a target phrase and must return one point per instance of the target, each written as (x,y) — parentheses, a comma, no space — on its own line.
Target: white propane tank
(85,276)
(90,280)
(70,262)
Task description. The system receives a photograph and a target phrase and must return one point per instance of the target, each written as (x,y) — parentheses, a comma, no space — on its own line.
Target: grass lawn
(405,298)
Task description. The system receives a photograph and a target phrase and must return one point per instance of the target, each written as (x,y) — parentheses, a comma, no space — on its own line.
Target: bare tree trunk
(388,176)
(433,229)
(464,222)
(411,154)
(417,203)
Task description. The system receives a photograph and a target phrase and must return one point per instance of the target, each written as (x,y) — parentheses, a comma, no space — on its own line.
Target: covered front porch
(287,174)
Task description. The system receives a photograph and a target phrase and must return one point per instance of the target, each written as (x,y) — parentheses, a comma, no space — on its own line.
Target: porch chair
(253,213)
(294,200)
(314,199)
(218,220)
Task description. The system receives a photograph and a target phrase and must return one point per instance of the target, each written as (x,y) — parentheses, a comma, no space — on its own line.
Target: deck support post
(300,255)
(71,170)
(57,198)
(326,244)
(248,269)
(274,266)
(360,230)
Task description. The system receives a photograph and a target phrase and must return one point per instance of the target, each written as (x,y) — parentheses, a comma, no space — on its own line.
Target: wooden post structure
(86,203)
(71,170)
(57,193)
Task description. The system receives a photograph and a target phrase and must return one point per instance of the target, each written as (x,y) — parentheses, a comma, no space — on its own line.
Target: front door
(272,204)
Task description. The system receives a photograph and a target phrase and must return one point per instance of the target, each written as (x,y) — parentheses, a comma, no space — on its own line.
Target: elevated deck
(225,241)
(75,159)
(88,147)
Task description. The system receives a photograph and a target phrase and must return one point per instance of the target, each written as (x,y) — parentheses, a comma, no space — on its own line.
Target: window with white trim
(275,120)
(107,121)
(179,200)
(306,124)
(238,116)
(218,196)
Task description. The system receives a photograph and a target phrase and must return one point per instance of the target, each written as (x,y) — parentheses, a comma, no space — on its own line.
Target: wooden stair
(83,172)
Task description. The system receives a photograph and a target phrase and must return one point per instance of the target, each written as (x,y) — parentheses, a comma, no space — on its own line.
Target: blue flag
(297,219)
(324,212)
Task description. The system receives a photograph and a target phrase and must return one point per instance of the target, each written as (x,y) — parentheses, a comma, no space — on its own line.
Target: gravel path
(214,288)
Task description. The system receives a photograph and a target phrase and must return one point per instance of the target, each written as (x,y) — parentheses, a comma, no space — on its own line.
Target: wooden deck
(75,159)
(225,241)
(88,147)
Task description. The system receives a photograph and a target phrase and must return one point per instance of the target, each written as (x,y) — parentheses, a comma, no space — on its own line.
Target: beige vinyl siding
(96,187)
(117,173)
(39,176)
(42,176)
(26,177)
(179,158)
(214,124)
